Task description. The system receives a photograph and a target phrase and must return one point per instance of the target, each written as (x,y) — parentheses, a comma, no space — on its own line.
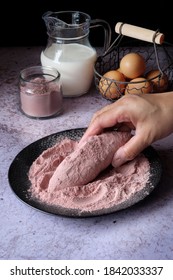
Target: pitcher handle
(107,31)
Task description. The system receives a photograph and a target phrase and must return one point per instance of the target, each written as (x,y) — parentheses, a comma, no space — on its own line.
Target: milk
(75,62)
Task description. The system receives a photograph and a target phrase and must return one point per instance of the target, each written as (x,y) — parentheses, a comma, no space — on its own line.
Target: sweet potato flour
(110,187)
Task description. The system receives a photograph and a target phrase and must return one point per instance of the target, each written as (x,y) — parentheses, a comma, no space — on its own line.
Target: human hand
(148,116)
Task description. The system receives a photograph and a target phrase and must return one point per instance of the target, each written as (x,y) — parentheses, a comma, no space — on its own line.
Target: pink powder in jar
(40,92)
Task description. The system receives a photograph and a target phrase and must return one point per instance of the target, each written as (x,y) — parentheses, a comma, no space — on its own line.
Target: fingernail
(118,158)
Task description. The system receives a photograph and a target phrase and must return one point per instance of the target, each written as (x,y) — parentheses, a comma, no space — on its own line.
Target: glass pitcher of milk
(69,50)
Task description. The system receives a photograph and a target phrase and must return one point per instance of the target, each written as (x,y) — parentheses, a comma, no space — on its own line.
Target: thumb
(129,151)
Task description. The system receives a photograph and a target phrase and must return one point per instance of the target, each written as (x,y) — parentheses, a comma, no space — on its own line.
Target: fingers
(116,114)
(130,150)
(127,114)
(101,119)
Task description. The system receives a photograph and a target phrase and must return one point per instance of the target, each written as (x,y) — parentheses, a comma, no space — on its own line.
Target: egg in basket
(142,65)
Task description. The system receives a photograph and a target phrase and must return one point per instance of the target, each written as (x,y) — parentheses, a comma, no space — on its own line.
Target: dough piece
(88,160)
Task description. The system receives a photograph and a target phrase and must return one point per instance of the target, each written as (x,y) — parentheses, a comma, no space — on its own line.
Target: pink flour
(109,188)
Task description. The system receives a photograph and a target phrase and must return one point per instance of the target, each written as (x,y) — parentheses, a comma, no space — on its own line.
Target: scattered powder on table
(110,187)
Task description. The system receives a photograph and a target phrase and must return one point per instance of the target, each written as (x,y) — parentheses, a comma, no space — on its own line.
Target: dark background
(22,24)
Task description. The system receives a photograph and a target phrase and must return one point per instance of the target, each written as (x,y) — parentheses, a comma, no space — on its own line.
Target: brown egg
(159,80)
(138,85)
(112,85)
(132,65)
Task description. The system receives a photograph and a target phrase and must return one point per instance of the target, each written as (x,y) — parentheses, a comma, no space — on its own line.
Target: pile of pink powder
(110,187)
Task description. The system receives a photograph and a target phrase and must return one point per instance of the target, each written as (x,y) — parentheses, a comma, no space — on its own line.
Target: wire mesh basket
(150,45)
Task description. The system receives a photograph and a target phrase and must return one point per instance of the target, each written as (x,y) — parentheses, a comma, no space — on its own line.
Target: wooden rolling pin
(139,33)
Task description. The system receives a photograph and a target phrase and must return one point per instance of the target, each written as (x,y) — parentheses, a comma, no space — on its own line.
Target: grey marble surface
(144,231)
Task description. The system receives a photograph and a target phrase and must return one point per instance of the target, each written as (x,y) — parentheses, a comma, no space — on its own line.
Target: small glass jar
(40,92)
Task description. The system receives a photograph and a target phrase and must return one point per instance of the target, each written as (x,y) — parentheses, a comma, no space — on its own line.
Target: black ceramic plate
(20,184)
